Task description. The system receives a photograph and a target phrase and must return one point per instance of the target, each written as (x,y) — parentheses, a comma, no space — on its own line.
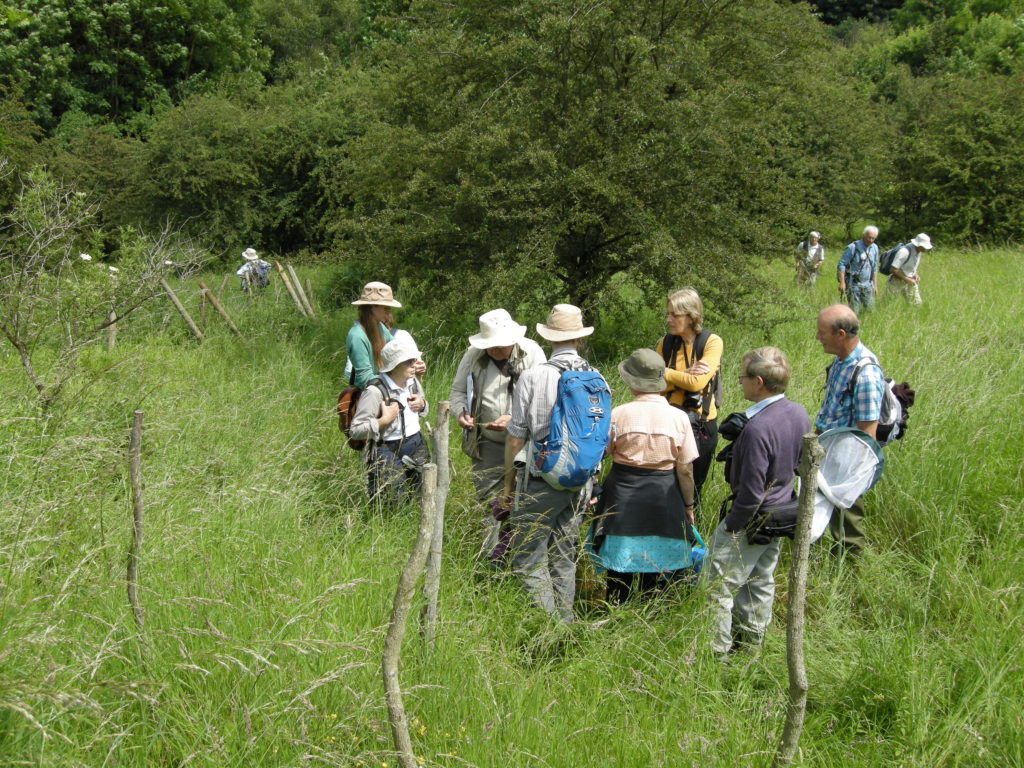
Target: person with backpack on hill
(810,255)
(693,358)
(902,268)
(388,418)
(643,521)
(844,405)
(561,405)
(481,401)
(255,272)
(858,280)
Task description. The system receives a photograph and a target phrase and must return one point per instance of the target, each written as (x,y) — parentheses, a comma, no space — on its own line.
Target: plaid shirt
(839,409)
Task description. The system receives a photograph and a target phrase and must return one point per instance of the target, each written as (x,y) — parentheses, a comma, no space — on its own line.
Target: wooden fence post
(220,291)
(202,308)
(400,614)
(810,461)
(432,577)
(181,309)
(220,310)
(290,289)
(135,477)
(298,290)
(309,295)
(111,329)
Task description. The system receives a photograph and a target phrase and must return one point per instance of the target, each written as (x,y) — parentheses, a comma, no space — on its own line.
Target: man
(844,406)
(254,272)
(903,278)
(761,471)
(858,280)
(481,400)
(545,522)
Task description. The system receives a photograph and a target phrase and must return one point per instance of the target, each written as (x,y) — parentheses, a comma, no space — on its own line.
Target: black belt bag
(773,522)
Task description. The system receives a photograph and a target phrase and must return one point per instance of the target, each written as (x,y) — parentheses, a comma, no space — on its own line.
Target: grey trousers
(742,587)
(488,477)
(545,530)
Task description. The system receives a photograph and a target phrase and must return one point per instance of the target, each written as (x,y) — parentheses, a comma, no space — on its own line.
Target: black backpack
(670,347)
(886,259)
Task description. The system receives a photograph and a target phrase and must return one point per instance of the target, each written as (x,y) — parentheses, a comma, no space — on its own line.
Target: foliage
(116,60)
(839,11)
(56,292)
(535,150)
(960,169)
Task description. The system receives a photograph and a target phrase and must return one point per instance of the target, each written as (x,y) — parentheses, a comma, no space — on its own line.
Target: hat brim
(254,257)
(927,247)
(507,339)
(553,335)
(360,303)
(642,384)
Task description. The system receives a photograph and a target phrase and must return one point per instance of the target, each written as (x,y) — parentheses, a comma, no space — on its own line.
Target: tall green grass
(267,579)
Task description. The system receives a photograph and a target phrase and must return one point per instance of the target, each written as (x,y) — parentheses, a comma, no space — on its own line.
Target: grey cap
(644,371)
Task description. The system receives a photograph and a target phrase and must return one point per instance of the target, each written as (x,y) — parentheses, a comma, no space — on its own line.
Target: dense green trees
(547,146)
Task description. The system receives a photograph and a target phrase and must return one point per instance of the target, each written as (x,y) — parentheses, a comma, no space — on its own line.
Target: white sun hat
(497,329)
(397,351)
(250,254)
(922,241)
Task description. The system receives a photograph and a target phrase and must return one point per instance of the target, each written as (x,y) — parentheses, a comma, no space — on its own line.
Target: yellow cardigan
(680,382)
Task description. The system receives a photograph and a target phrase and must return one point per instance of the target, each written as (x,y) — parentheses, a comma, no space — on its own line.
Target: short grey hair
(871,228)
(770,365)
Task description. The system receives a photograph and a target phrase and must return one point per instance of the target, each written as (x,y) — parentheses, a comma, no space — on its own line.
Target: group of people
(661,444)
(857,270)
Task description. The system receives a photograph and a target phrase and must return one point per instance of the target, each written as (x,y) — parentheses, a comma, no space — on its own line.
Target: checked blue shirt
(839,408)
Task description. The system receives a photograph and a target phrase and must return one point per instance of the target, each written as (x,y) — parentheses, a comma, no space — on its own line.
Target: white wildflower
(114,269)
(85,257)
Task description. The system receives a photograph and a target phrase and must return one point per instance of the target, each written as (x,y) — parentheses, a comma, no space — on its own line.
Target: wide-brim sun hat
(922,241)
(397,351)
(565,322)
(644,371)
(497,329)
(249,254)
(377,293)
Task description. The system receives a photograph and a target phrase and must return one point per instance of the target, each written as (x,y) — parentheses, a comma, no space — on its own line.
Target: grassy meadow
(266,579)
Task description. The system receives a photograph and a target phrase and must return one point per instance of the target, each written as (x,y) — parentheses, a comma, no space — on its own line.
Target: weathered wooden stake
(220,309)
(309,295)
(299,292)
(181,309)
(810,461)
(135,476)
(111,329)
(290,289)
(432,577)
(202,308)
(400,614)
(220,291)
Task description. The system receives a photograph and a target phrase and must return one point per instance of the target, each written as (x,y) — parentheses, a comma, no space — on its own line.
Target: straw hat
(565,322)
(377,293)
(250,254)
(922,241)
(497,329)
(644,371)
(397,351)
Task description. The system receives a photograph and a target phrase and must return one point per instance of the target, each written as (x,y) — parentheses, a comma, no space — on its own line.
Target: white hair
(871,229)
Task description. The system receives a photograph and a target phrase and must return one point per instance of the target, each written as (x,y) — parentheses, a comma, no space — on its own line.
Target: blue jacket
(858,262)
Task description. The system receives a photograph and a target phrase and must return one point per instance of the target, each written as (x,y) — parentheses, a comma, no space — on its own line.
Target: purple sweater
(766,453)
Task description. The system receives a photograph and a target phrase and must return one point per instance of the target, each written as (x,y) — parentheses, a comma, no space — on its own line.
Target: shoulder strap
(670,348)
(698,352)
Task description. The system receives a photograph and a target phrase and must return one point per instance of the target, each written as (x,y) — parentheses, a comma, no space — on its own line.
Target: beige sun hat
(250,254)
(497,329)
(377,293)
(644,371)
(922,241)
(565,322)
(398,351)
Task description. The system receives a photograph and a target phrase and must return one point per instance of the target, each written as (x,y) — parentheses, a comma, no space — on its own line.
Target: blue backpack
(580,423)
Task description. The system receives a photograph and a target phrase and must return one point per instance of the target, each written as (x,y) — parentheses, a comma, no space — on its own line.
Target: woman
(810,255)
(693,357)
(368,335)
(388,418)
(645,511)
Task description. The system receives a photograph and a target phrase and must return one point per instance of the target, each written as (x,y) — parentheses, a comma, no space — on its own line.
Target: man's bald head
(838,328)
